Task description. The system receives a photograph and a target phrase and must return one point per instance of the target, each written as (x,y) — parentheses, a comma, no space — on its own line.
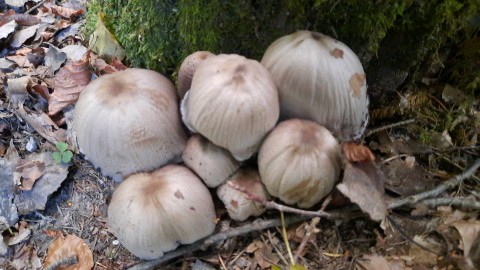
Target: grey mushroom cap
(319,79)
(233,102)
(299,162)
(152,213)
(212,163)
(128,121)
(238,204)
(187,69)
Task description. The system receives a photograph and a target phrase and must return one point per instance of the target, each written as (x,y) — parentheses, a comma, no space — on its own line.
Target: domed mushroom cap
(239,206)
(187,69)
(319,79)
(128,121)
(212,163)
(233,102)
(151,213)
(299,162)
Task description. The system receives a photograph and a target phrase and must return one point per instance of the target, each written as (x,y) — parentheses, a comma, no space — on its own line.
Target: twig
(35,7)
(465,203)
(277,206)
(63,262)
(256,225)
(401,123)
(452,182)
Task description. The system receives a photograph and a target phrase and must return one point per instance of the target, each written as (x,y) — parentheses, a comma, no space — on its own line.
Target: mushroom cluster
(129,124)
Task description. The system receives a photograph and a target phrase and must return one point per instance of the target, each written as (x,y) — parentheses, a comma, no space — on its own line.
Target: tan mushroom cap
(233,102)
(212,163)
(151,213)
(319,79)
(299,162)
(239,206)
(128,121)
(187,69)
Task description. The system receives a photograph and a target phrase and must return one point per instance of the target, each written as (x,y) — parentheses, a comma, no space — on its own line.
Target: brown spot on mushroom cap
(151,223)
(357,81)
(128,121)
(337,53)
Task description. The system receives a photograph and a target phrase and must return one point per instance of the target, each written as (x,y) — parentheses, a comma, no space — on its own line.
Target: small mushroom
(187,69)
(212,163)
(151,213)
(128,121)
(233,102)
(319,79)
(299,162)
(236,192)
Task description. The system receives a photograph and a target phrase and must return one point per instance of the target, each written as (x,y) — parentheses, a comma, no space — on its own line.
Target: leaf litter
(44,68)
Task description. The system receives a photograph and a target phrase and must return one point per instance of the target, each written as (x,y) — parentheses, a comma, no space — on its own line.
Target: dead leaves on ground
(69,253)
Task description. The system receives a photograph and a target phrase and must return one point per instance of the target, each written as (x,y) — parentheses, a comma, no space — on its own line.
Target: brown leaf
(355,152)
(43,124)
(66,13)
(65,247)
(363,184)
(30,172)
(375,262)
(117,63)
(102,68)
(21,19)
(469,231)
(69,82)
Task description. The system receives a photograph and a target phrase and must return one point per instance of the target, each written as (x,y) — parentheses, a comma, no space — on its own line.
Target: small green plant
(62,155)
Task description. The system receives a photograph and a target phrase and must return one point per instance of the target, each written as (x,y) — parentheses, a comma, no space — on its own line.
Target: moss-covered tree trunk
(393,38)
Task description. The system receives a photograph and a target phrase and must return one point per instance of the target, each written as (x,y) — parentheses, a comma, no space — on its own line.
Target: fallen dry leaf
(69,83)
(54,58)
(20,60)
(8,211)
(18,89)
(23,35)
(7,29)
(356,153)
(21,19)
(63,248)
(30,171)
(363,184)
(66,13)
(104,43)
(36,198)
(43,124)
(469,230)
(406,177)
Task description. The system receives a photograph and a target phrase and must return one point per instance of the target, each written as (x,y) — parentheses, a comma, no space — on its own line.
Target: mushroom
(128,121)
(151,213)
(212,163)
(299,162)
(238,192)
(233,102)
(187,69)
(319,79)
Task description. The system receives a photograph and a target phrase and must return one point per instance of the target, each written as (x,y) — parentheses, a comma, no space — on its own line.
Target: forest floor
(53,206)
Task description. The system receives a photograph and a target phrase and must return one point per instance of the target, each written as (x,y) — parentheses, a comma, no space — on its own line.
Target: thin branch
(465,203)
(256,225)
(394,125)
(452,182)
(35,7)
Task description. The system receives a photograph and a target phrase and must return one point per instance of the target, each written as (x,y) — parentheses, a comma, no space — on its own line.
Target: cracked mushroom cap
(128,121)
(152,213)
(233,102)
(234,194)
(212,163)
(299,162)
(319,79)
(187,69)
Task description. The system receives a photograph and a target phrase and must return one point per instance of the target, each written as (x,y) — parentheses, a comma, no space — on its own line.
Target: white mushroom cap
(128,121)
(187,69)
(299,162)
(233,102)
(239,206)
(319,79)
(151,213)
(212,163)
